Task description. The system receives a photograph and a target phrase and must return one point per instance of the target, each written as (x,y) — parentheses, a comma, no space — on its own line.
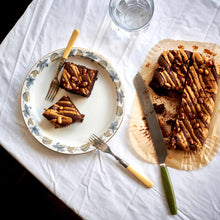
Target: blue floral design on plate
(60,147)
(30,81)
(113,126)
(72,53)
(90,55)
(34,126)
(26,110)
(42,64)
(35,130)
(120,96)
(113,76)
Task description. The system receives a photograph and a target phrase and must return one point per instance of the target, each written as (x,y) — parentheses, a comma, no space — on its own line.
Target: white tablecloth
(94,185)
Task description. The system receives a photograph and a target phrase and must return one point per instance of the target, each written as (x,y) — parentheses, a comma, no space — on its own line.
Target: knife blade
(157,138)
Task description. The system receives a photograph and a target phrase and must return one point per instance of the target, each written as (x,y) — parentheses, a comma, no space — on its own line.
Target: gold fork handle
(140,176)
(70,43)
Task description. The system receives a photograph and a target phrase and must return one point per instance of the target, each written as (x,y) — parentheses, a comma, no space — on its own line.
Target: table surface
(17,182)
(93,184)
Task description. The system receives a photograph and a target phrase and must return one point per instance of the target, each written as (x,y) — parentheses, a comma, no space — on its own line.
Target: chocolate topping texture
(192,77)
(78,79)
(63,113)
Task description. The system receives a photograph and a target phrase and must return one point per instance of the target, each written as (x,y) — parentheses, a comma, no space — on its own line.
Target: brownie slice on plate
(63,113)
(78,79)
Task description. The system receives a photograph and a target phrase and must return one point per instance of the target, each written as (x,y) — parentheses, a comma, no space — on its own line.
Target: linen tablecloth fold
(93,184)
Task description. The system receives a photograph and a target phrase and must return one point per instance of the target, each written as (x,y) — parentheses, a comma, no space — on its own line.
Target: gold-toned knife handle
(168,189)
(70,43)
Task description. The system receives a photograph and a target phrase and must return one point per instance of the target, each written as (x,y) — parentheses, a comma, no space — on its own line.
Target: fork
(54,85)
(99,144)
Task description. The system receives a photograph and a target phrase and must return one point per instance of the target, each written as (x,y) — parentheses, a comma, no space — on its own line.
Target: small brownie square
(63,113)
(78,79)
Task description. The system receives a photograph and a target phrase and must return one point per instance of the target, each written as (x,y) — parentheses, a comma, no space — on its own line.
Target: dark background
(21,194)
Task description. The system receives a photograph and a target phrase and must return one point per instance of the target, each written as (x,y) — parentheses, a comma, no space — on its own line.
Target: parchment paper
(138,131)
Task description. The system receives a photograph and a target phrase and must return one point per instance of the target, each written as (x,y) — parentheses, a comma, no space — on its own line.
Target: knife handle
(168,188)
(70,43)
(140,176)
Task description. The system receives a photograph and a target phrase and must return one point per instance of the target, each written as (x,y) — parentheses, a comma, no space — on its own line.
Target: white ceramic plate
(103,110)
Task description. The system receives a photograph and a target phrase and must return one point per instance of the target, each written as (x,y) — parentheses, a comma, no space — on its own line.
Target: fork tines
(95,140)
(53,89)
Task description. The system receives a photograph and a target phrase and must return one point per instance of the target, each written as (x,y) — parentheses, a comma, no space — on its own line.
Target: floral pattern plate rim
(108,93)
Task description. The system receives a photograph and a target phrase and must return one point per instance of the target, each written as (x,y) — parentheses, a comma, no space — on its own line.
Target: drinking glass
(131,15)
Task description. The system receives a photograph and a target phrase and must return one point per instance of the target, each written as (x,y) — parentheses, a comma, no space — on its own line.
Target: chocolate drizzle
(195,77)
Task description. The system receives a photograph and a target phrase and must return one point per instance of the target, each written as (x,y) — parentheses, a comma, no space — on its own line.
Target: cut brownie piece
(197,105)
(78,79)
(63,113)
(170,73)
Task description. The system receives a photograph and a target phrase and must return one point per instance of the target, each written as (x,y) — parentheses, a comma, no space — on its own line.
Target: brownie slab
(193,80)
(197,105)
(78,79)
(63,113)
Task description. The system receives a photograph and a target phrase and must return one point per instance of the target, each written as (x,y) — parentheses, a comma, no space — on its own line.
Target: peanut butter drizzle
(212,84)
(198,58)
(192,133)
(163,76)
(84,90)
(179,56)
(71,84)
(169,79)
(165,55)
(200,82)
(180,73)
(68,108)
(179,83)
(178,76)
(193,110)
(182,138)
(66,78)
(61,103)
(73,112)
(90,81)
(76,72)
(53,112)
(171,57)
(62,114)
(183,54)
(193,93)
(196,83)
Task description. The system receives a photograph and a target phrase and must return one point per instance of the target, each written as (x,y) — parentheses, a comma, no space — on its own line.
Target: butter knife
(157,138)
